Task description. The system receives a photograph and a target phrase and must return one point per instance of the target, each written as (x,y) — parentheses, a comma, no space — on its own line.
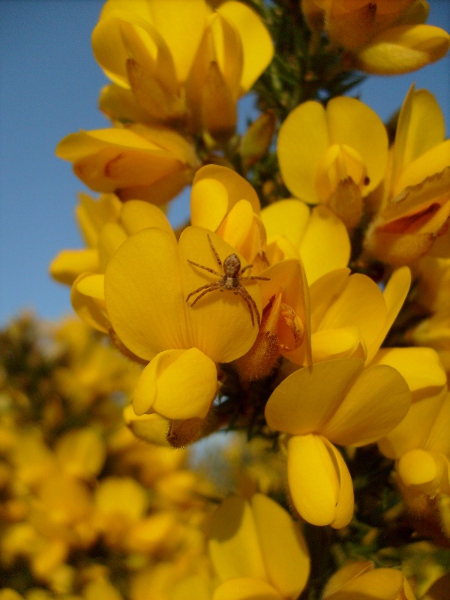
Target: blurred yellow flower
(362,580)
(385,37)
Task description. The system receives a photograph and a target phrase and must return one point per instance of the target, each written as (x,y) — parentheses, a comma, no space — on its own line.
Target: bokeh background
(49,84)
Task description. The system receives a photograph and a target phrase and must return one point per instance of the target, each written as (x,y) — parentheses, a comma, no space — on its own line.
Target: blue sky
(49,84)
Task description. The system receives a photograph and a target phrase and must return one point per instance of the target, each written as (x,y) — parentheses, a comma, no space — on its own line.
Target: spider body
(229,281)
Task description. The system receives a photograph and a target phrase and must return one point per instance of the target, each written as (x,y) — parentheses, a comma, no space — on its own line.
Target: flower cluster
(305,303)
(85,505)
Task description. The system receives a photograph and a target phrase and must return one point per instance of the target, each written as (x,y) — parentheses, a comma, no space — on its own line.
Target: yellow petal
(181,25)
(420,468)
(379,584)
(149,63)
(119,104)
(218,106)
(352,123)
(360,305)
(345,500)
(256,41)
(394,295)
(324,291)
(81,452)
(345,574)
(287,218)
(137,214)
(325,245)
(377,401)
(87,297)
(144,296)
(158,388)
(424,426)
(335,343)
(420,127)
(433,162)
(132,157)
(215,190)
(111,237)
(152,428)
(403,49)
(236,229)
(92,214)
(242,588)
(283,547)
(315,478)
(234,544)
(299,160)
(307,399)
(68,264)
(420,367)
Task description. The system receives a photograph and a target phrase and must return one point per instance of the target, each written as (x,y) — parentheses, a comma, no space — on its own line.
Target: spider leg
(205,268)
(219,262)
(254,277)
(245,268)
(250,303)
(209,287)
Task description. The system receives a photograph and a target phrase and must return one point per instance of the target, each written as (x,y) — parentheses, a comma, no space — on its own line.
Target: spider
(231,280)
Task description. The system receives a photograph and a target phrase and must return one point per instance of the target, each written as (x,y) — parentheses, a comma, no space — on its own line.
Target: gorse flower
(414,210)
(385,37)
(333,402)
(333,156)
(146,285)
(257,550)
(180,63)
(361,579)
(135,162)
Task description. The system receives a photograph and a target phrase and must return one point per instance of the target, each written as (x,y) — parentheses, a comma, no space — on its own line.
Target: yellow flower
(362,580)
(317,237)
(333,156)
(332,402)
(415,207)
(141,162)
(61,511)
(403,49)
(91,215)
(105,224)
(257,551)
(223,201)
(146,285)
(81,452)
(386,37)
(350,315)
(420,443)
(180,63)
(94,370)
(119,503)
